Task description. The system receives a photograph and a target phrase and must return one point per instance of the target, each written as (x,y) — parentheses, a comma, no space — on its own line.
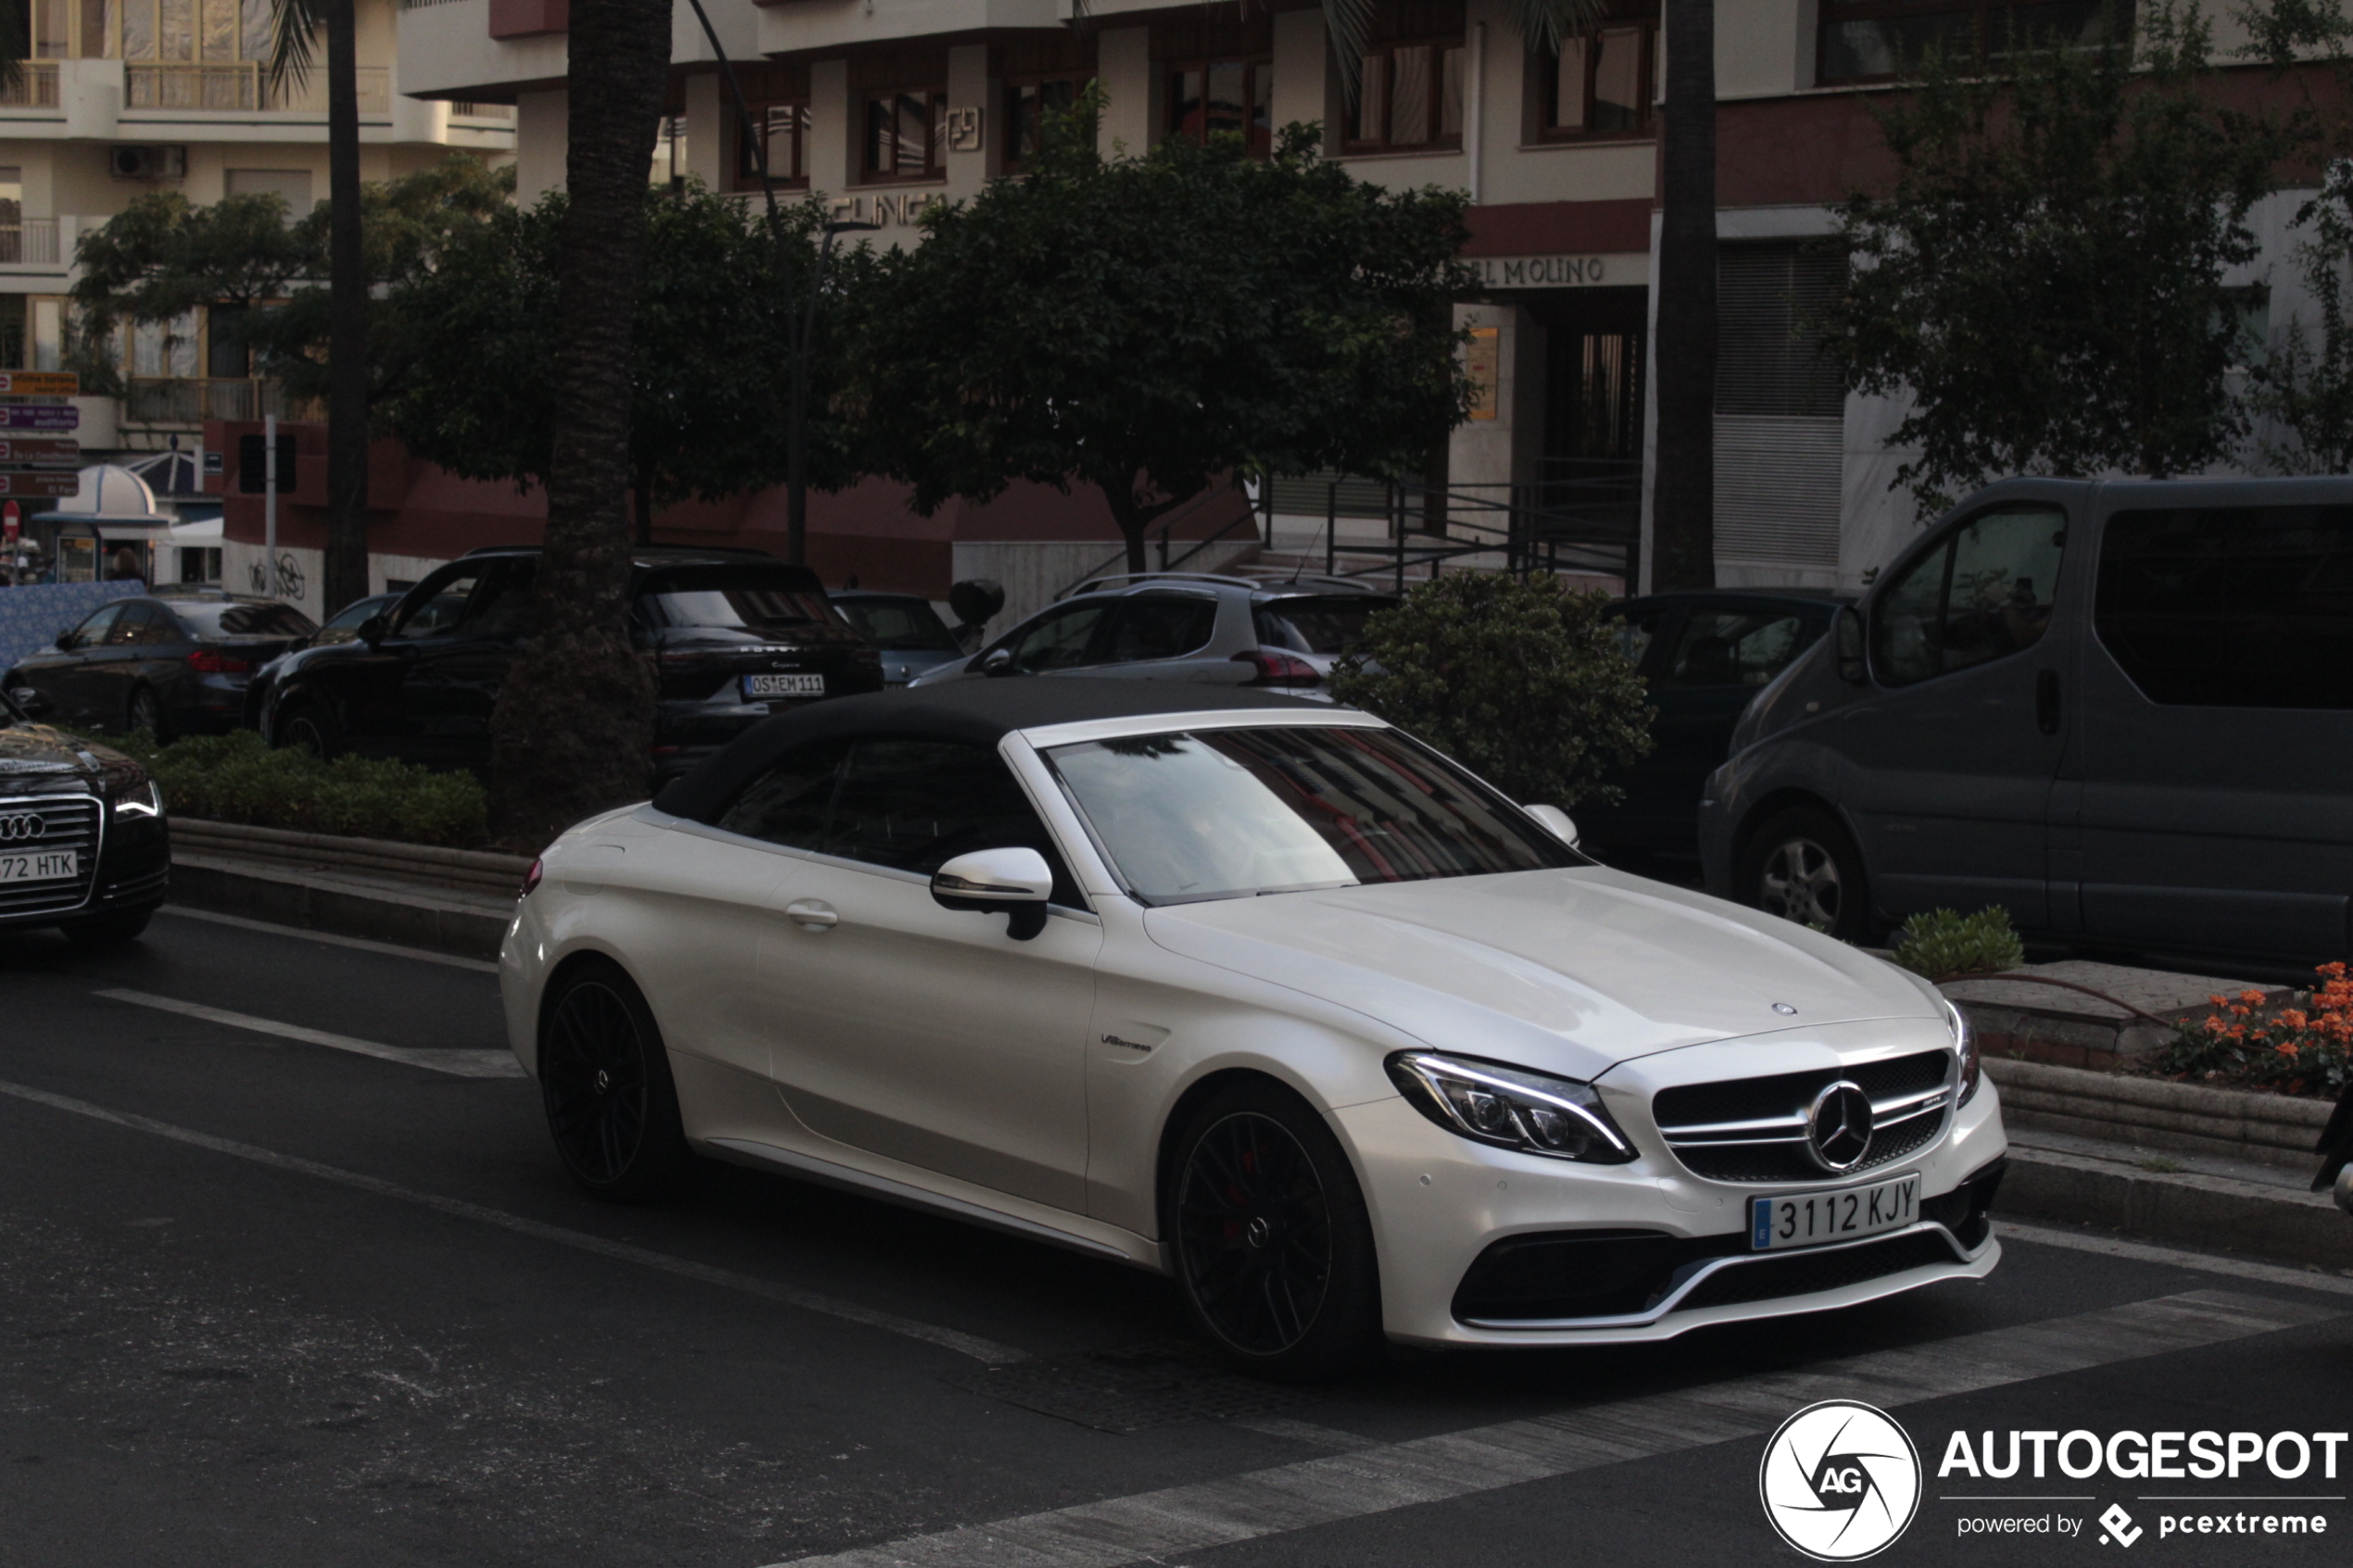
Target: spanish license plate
(41,865)
(757,688)
(1778,1225)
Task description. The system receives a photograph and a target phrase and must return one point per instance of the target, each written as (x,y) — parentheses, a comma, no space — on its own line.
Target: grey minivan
(2121,710)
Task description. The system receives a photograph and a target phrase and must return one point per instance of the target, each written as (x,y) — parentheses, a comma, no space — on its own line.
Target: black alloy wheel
(605,1081)
(1273,1246)
(143,712)
(302,728)
(1802,867)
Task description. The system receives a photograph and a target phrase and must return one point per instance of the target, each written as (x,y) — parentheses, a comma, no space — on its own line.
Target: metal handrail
(1162,529)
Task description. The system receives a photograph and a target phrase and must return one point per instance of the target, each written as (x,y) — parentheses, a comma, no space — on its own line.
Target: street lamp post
(796,417)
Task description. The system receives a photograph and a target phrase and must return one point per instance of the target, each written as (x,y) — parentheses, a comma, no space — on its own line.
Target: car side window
(95,627)
(1636,630)
(131,626)
(1721,648)
(1160,626)
(439,614)
(914,805)
(789,803)
(1983,593)
(1060,640)
(501,605)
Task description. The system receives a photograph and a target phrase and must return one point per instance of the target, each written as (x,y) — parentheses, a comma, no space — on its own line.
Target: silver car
(1284,634)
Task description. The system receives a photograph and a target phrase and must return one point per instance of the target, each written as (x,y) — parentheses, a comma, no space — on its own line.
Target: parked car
(83,843)
(1256,992)
(2121,710)
(1703,656)
(1184,626)
(734,636)
(172,664)
(905,627)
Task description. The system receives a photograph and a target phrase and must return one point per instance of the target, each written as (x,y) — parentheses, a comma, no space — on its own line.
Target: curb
(2275,1129)
(2179,1208)
(470,925)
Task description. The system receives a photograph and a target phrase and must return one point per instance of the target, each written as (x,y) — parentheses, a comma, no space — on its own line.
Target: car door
(1165,636)
(114,668)
(2217,712)
(64,676)
(452,682)
(918,1033)
(388,710)
(1952,755)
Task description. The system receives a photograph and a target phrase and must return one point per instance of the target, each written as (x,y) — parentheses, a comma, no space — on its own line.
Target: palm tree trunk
(572,729)
(347,565)
(1683,491)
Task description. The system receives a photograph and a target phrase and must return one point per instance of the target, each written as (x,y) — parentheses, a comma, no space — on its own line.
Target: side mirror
(995,661)
(65,642)
(374,629)
(1557,822)
(1848,629)
(1016,881)
(36,704)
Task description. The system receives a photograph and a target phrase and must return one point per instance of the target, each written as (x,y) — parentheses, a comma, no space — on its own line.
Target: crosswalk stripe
(1151,1526)
(462,1064)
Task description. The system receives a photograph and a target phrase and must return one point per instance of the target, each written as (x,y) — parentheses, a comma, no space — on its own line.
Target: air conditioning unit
(147,163)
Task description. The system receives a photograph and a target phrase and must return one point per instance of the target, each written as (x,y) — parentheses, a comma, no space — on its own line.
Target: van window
(2231,607)
(1984,593)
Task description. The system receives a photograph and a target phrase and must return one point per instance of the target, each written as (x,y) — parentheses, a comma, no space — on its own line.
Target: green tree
(1142,324)
(1523,681)
(2044,281)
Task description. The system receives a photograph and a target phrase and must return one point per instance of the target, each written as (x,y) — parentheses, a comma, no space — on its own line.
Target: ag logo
(1840,1481)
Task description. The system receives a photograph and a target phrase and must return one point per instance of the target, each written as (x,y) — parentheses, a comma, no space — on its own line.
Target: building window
(1026,105)
(906,132)
(785,128)
(1863,39)
(1601,84)
(1213,97)
(1409,98)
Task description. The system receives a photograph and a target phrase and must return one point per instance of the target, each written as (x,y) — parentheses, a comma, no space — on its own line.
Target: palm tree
(294,24)
(1683,491)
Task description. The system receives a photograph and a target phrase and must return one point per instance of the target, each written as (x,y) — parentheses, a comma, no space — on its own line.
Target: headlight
(1964,1042)
(1511,1108)
(139,800)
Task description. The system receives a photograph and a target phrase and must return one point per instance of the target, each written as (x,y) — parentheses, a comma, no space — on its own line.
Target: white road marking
(2204,1263)
(462,1064)
(979,1350)
(390,949)
(1151,1526)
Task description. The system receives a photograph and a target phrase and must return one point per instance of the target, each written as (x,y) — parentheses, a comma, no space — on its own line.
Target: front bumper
(1440,1204)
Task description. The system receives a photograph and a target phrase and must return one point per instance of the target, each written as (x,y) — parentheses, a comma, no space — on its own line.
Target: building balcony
(190,400)
(36,89)
(31,242)
(243,87)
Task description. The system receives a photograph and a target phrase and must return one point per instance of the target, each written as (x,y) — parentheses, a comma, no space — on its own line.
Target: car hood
(40,757)
(1568,970)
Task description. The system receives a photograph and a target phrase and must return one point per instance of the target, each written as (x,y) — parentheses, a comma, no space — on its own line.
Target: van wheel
(1802,866)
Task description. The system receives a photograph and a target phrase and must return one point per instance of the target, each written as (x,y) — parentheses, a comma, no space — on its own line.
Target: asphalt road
(268,1299)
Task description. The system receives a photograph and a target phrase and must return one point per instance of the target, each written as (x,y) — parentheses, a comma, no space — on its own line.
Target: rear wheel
(303,727)
(1802,866)
(109,929)
(605,1081)
(1272,1246)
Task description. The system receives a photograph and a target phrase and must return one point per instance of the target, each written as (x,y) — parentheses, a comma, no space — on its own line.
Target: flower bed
(2300,1044)
(236,778)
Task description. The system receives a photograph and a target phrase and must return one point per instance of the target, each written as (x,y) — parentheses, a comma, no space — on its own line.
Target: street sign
(12,521)
(35,416)
(51,484)
(39,383)
(41,451)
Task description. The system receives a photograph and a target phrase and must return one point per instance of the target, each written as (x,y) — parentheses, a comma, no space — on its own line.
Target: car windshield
(227,618)
(351,617)
(737,599)
(1234,813)
(1317,625)
(899,625)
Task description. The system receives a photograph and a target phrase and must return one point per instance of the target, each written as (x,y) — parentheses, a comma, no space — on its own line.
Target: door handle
(812,914)
(2046,701)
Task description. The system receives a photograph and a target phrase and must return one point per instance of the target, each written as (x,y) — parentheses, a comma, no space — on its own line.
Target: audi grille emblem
(1838,1127)
(18,829)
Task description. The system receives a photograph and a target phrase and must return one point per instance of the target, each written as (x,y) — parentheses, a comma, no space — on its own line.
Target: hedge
(236,778)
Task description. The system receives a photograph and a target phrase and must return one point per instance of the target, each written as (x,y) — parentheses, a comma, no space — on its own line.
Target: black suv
(734,636)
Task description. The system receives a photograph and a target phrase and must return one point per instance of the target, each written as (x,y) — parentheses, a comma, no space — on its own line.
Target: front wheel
(605,1081)
(1802,866)
(1272,1246)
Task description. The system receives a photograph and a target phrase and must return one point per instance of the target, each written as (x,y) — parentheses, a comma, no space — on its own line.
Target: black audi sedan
(83,843)
(172,664)
(734,636)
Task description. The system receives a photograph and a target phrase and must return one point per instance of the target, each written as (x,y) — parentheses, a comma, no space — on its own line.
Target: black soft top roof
(981,712)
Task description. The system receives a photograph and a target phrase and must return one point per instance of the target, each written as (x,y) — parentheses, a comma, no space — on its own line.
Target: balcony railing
(461,110)
(177,400)
(31,241)
(242,86)
(36,89)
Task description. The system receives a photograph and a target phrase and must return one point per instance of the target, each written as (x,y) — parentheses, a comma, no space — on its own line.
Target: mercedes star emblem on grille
(19,828)
(1838,1126)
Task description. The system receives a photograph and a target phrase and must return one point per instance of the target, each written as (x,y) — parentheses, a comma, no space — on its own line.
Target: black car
(84,845)
(734,636)
(172,664)
(1703,655)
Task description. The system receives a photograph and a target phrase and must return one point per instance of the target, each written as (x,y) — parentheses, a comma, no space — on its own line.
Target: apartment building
(125,97)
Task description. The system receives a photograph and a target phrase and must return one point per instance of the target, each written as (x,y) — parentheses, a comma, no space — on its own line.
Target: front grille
(1754,1129)
(67,822)
(1806,1273)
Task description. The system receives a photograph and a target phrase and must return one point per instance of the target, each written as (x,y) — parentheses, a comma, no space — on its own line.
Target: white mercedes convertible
(1266,997)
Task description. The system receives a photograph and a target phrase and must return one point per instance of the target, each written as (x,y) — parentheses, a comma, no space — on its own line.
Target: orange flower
(2292,1019)
(2253,998)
